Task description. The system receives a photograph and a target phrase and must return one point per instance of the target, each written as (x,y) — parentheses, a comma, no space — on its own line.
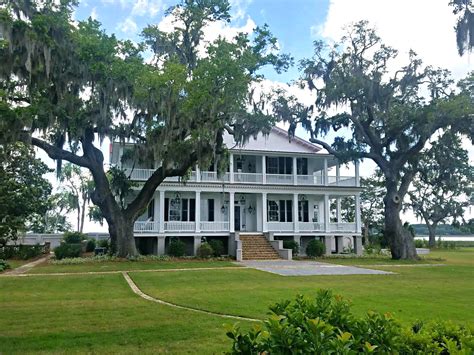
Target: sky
(426,26)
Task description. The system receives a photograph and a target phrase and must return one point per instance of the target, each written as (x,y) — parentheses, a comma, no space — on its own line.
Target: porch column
(338,210)
(160,245)
(162,211)
(338,173)
(326,212)
(231,168)
(264,212)
(231,212)
(358,224)
(295,175)
(339,244)
(264,170)
(197,243)
(156,212)
(198,174)
(295,213)
(328,244)
(297,239)
(197,210)
(325,177)
(358,244)
(357,175)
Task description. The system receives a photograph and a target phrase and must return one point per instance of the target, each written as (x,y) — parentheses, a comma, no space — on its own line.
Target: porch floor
(307,268)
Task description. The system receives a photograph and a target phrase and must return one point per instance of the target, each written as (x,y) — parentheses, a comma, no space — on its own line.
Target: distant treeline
(442,229)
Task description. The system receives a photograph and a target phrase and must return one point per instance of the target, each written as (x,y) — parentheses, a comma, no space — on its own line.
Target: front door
(237,218)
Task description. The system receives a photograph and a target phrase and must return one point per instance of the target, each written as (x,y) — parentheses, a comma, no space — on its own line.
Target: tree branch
(60,154)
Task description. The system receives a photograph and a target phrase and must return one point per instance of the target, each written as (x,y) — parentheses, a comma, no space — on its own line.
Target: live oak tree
(377,113)
(66,86)
(371,205)
(23,189)
(443,184)
(464,25)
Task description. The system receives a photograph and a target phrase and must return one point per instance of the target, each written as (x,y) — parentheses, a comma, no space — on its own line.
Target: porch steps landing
(257,247)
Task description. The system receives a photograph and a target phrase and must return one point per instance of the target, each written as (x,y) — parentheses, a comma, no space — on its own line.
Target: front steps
(257,247)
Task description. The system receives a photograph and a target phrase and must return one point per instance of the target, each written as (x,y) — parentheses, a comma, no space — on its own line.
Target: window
(280,211)
(302,166)
(210,210)
(303,213)
(272,211)
(272,165)
(279,165)
(192,210)
(184,209)
(316,213)
(289,212)
(180,209)
(175,209)
(151,210)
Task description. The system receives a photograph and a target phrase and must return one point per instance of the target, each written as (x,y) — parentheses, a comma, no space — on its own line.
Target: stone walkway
(25,268)
(308,268)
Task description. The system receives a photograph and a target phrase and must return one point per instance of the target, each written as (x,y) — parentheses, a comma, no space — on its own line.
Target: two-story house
(273,187)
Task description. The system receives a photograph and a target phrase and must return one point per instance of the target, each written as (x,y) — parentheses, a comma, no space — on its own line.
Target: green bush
(21,251)
(177,248)
(90,246)
(66,250)
(325,325)
(217,246)
(4,265)
(74,237)
(103,243)
(291,244)
(205,250)
(315,248)
(421,243)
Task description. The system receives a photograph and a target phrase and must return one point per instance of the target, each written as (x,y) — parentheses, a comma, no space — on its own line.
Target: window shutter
(192,210)
(184,209)
(167,209)
(210,204)
(305,211)
(289,211)
(282,210)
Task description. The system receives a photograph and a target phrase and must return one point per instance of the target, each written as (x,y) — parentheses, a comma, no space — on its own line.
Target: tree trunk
(431,234)
(121,236)
(83,213)
(400,240)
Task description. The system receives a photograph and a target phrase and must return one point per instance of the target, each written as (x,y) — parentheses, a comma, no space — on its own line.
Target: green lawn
(415,292)
(125,265)
(100,314)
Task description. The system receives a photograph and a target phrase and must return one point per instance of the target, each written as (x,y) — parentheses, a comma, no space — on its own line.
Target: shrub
(103,243)
(66,250)
(20,251)
(4,265)
(74,237)
(205,250)
(90,246)
(315,248)
(217,247)
(325,325)
(291,244)
(176,248)
(421,243)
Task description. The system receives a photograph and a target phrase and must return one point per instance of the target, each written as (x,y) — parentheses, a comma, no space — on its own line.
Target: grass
(14,263)
(100,314)
(97,314)
(125,265)
(443,292)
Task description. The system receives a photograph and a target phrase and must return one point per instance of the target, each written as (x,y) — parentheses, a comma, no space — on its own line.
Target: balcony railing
(249,178)
(310,226)
(214,226)
(177,226)
(280,226)
(146,226)
(342,227)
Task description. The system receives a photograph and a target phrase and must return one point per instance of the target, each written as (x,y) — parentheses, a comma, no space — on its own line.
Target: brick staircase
(257,247)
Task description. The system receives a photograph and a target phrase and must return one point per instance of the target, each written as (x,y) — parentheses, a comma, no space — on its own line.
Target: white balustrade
(310,226)
(343,181)
(178,226)
(280,226)
(342,227)
(215,226)
(283,179)
(146,226)
(309,180)
(248,178)
(139,174)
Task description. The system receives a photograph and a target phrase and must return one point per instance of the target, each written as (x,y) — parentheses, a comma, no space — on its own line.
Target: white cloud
(128,26)
(147,7)
(426,26)
(94,15)
(238,8)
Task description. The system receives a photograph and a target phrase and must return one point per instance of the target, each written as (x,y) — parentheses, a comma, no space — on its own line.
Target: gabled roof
(276,141)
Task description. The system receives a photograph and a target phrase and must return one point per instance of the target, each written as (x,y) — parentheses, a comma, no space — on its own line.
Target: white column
(325,177)
(295,213)
(231,212)
(198,173)
(357,214)
(197,243)
(338,210)
(231,168)
(156,212)
(357,175)
(326,212)
(338,173)
(160,245)
(264,212)
(295,175)
(264,170)
(198,211)
(162,211)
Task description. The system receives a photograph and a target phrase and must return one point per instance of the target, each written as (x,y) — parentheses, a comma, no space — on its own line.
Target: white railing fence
(279,179)
(309,180)
(146,226)
(280,226)
(177,226)
(248,177)
(342,226)
(214,226)
(310,226)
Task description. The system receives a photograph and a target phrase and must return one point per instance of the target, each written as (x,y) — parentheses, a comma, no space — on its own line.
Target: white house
(274,188)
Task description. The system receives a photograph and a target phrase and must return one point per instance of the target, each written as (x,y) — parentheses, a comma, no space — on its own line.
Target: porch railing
(284,179)
(343,181)
(280,226)
(248,177)
(309,180)
(177,226)
(310,226)
(214,226)
(342,227)
(146,226)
